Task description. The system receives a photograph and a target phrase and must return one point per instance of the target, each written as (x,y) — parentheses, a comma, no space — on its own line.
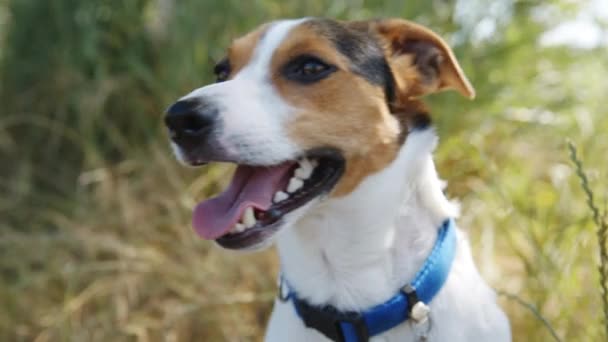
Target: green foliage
(95,242)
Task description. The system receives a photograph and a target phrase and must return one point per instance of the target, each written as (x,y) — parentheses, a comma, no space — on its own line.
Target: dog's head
(306,108)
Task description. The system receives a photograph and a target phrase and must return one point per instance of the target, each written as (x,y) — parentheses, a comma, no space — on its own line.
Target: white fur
(177,152)
(356,252)
(260,64)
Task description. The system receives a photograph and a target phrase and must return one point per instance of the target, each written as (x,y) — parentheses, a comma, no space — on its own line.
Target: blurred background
(95,236)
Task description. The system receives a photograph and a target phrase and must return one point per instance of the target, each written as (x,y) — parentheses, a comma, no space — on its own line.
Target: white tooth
(294,184)
(306,168)
(280,196)
(239,227)
(305,163)
(249,218)
(304,171)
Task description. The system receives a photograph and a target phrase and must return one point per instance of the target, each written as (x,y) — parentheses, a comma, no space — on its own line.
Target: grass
(95,236)
(601,222)
(126,264)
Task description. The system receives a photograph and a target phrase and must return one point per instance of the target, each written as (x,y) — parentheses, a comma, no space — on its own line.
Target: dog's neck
(355,251)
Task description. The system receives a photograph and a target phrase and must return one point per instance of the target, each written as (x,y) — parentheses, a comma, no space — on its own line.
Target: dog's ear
(421,62)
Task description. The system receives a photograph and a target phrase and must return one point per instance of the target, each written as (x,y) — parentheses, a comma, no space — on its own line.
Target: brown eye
(222,70)
(307,69)
(313,68)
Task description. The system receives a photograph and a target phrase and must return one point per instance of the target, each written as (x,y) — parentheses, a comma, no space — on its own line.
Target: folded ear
(422,62)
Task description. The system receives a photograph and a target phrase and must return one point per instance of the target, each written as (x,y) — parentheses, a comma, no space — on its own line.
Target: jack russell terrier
(333,146)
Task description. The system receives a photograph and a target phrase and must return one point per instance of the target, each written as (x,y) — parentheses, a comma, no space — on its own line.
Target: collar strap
(409,302)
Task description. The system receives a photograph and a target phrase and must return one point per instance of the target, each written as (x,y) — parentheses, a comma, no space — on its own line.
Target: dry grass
(126,264)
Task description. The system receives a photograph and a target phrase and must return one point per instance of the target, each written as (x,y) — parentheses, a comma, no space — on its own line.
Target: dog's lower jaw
(356,251)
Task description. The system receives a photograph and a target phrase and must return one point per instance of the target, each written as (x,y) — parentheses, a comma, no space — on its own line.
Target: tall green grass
(95,239)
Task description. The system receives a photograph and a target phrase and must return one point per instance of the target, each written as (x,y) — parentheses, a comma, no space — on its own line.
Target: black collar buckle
(329,321)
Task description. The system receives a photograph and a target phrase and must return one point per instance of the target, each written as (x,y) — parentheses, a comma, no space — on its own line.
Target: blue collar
(410,302)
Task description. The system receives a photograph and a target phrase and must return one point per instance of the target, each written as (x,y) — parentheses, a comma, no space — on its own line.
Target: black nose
(189,122)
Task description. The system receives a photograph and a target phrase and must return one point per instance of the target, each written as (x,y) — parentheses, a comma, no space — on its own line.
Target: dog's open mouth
(258,197)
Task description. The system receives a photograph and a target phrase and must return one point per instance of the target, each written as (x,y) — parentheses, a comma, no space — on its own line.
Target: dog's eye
(307,69)
(222,70)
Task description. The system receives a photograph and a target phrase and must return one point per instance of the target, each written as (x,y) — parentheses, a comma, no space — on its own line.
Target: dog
(333,147)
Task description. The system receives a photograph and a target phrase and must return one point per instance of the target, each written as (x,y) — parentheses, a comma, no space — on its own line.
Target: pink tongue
(250,187)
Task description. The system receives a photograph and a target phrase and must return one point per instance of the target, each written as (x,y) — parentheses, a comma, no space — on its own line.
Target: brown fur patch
(343,111)
(398,36)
